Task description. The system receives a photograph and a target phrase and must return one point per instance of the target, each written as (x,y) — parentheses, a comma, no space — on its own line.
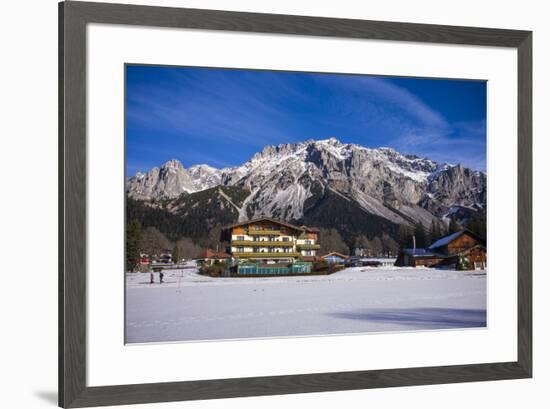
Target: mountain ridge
(289,181)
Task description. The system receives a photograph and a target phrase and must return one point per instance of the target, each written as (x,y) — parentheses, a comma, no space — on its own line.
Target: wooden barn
(462,249)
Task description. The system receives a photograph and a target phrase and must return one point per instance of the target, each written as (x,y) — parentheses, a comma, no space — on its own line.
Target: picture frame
(73,20)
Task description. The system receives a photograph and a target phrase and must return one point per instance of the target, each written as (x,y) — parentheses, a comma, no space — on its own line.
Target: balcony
(264,232)
(308,246)
(266,255)
(270,243)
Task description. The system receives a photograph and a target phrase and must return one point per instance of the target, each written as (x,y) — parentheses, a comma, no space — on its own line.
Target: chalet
(463,247)
(307,243)
(335,258)
(269,240)
(271,245)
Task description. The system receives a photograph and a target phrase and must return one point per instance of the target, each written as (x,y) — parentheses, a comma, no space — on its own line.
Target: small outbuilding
(209,257)
(335,258)
(418,258)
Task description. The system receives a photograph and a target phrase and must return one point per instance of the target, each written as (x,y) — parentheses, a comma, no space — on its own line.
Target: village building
(270,246)
(418,258)
(307,243)
(209,257)
(144,259)
(335,258)
(165,257)
(461,247)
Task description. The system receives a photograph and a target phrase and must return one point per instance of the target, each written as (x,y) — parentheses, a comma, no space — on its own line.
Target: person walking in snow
(152,278)
(161,275)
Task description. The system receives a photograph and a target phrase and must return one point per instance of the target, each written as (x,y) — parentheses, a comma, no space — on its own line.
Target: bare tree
(330,240)
(361,246)
(154,242)
(376,246)
(389,246)
(187,248)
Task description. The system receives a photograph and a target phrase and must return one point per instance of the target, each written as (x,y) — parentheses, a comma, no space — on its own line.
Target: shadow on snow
(420,317)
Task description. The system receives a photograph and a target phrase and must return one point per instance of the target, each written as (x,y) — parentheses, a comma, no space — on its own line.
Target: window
(240,238)
(240,250)
(286,239)
(309,242)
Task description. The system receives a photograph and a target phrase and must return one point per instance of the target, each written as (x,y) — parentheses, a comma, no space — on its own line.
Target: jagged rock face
(171,180)
(204,177)
(456,186)
(281,179)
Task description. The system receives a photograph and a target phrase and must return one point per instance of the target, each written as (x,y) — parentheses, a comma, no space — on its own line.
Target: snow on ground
(188,306)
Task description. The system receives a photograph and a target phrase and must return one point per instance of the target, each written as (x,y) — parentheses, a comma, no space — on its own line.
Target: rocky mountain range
(324,183)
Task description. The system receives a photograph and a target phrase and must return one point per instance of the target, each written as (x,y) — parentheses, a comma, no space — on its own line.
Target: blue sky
(221,117)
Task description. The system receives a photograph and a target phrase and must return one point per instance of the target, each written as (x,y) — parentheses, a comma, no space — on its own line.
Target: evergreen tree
(435,231)
(133,244)
(478,226)
(428,237)
(454,226)
(420,235)
(176,253)
(404,236)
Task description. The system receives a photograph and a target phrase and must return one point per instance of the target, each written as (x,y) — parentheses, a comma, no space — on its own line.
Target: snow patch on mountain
(282,178)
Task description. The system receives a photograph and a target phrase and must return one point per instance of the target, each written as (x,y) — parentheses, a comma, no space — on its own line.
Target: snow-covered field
(189,307)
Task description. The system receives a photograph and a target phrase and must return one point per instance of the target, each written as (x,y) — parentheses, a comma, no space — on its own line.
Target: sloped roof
(334,253)
(418,252)
(309,258)
(466,251)
(208,253)
(269,219)
(447,239)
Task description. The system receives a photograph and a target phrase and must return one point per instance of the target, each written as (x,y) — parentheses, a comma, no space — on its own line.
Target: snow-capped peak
(330,141)
(280,178)
(173,165)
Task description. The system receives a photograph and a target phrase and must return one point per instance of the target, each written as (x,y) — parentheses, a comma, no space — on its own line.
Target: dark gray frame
(73,18)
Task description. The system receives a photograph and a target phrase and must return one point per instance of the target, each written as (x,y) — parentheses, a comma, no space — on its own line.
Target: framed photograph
(255,204)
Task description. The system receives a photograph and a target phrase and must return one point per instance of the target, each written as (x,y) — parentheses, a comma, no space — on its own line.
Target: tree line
(387,246)
(153,243)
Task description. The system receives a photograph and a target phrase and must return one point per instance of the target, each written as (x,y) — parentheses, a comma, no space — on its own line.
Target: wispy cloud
(215,108)
(221,117)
